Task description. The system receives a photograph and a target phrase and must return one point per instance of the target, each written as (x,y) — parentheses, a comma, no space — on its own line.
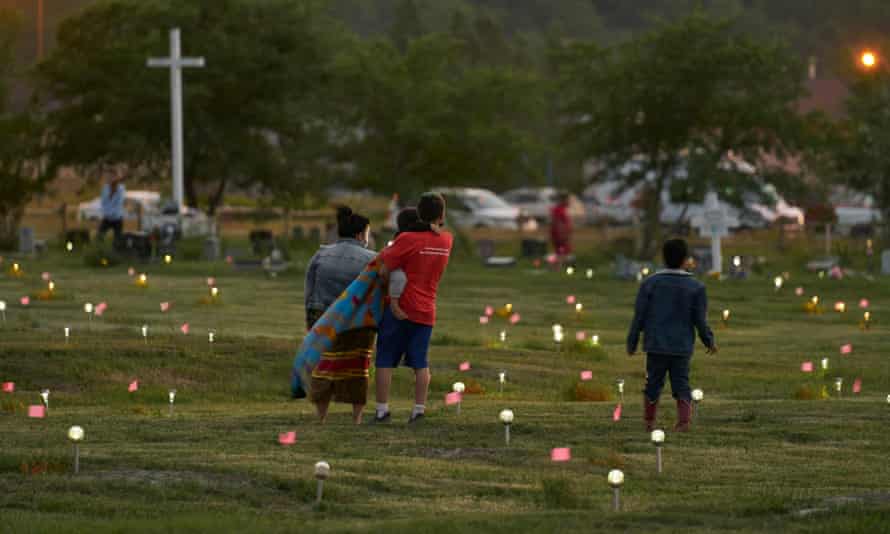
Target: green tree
(692,93)
(406,24)
(22,174)
(427,118)
(265,60)
(861,155)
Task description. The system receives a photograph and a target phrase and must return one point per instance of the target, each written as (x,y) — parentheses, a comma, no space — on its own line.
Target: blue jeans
(658,366)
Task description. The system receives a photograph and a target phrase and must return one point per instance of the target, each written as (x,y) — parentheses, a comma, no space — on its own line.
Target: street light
(868,59)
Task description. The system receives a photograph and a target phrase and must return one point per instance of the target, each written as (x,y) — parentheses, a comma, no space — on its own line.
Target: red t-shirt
(423,256)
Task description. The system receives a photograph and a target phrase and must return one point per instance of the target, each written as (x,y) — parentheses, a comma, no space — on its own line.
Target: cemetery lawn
(758,459)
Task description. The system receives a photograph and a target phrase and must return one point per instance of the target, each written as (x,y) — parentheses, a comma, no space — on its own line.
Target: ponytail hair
(350,224)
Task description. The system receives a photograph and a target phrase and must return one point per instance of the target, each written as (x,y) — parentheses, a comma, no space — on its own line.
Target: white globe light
(2,305)
(570,271)
(589,273)
(506,416)
(458,387)
(75,433)
(616,477)
(502,377)
(888,399)
(697,395)
(172,395)
(322,470)
(658,437)
(88,307)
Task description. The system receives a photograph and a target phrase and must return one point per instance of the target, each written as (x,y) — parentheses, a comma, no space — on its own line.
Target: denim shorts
(396,339)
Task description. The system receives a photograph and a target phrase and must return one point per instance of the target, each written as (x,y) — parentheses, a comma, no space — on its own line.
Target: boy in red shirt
(405,331)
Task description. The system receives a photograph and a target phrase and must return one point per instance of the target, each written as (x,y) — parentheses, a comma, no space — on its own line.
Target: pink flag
(515,318)
(857,385)
(287,438)
(863,303)
(453,398)
(45,276)
(806,367)
(131,271)
(580,336)
(465,366)
(552,259)
(211,281)
(100,308)
(38,411)
(25,301)
(489,311)
(133,387)
(846,349)
(229,259)
(8,387)
(483,319)
(184,328)
(586,375)
(165,306)
(799,292)
(562,454)
(570,299)
(616,414)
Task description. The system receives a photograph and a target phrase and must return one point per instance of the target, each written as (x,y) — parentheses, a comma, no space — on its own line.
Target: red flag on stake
(857,385)
(452,398)
(616,415)
(184,328)
(133,387)
(287,438)
(561,454)
(465,366)
(846,349)
(8,387)
(806,367)
(37,411)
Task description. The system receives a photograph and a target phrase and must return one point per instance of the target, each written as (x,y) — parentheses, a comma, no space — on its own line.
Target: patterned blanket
(359,306)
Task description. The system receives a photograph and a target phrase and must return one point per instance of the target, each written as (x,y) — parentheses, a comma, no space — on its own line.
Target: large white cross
(176,63)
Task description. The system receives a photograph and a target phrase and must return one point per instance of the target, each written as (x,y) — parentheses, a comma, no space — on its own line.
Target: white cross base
(714,224)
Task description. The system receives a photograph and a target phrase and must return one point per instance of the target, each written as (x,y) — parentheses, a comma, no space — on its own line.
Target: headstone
(212,249)
(885,262)
(262,242)
(26,240)
(135,245)
(486,248)
(533,248)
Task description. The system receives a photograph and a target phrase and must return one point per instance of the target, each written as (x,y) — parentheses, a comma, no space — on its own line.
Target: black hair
(675,253)
(431,207)
(350,224)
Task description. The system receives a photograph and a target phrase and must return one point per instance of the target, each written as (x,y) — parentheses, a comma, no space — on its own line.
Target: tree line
(292,101)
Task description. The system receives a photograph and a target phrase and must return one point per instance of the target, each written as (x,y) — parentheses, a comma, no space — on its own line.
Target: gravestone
(533,248)
(486,248)
(714,224)
(885,262)
(134,245)
(26,240)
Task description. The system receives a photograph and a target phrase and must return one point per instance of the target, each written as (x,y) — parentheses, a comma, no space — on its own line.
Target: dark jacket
(331,271)
(670,306)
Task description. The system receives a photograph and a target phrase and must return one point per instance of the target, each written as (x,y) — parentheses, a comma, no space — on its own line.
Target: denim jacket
(670,306)
(331,271)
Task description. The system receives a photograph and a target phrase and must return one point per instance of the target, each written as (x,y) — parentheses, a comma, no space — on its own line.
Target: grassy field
(758,459)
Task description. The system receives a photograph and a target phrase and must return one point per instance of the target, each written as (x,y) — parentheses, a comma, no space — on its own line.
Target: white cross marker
(176,63)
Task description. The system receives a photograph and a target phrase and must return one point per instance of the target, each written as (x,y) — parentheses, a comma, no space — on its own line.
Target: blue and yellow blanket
(359,306)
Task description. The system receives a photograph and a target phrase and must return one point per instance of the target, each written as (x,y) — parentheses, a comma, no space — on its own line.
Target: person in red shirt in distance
(561,227)
(405,331)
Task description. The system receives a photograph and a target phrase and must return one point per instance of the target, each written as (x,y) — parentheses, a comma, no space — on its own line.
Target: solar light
(509,308)
(44,396)
(570,271)
(645,271)
(142,280)
(211,336)
(888,399)
(51,286)
(506,417)
(778,281)
(725,317)
(736,261)
(658,440)
(589,274)
(697,396)
(3,310)
(815,300)
(67,334)
(69,246)
(75,434)
(824,364)
(145,333)
(595,340)
(88,308)
(322,472)
(502,379)
(168,259)
(840,307)
(866,319)
(616,480)
(503,336)
(620,385)
(171,395)
(558,334)
(838,385)
(16,268)
(459,387)
(214,292)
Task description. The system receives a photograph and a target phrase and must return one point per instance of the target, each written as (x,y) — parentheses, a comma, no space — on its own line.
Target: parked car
(478,208)
(854,210)
(134,202)
(536,202)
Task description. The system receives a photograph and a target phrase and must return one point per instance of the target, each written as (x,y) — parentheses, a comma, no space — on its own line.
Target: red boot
(684,416)
(650,409)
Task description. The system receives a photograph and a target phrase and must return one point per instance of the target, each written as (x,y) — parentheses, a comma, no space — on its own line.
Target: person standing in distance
(112,205)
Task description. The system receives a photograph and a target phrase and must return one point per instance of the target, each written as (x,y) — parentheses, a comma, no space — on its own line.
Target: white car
(853,209)
(148,201)
(536,202)
(468,207)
